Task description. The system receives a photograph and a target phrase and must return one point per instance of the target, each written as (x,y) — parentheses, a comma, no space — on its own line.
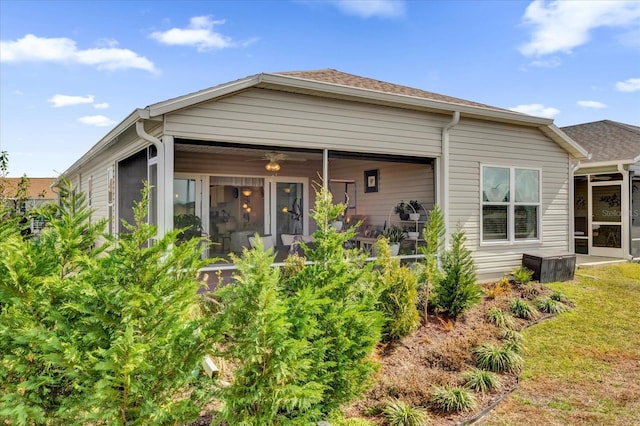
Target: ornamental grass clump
(512,339)
(523,309)
(453,399)
(399,413)
(522,275)
(498,359)
(481,380)
(500,318)
(550,306)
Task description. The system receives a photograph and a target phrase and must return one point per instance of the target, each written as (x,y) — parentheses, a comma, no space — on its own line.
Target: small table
(365,243)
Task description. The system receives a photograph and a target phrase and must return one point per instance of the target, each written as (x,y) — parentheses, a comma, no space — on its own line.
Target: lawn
(583,367)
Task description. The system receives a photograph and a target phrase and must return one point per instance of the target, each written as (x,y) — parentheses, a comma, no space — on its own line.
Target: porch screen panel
(132,172)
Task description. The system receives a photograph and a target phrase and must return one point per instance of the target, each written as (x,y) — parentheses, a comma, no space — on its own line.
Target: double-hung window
(510,204)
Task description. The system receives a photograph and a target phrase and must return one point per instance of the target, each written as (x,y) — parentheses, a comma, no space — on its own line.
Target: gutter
(445,171)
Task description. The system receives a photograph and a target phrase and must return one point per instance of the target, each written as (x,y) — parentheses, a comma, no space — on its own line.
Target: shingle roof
(607,140)
(344,79)
(39,188)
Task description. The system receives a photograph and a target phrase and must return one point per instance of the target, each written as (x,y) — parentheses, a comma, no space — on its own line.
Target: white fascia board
(616,163)
(106,141)
(562,139)
(191,99)
(384,97)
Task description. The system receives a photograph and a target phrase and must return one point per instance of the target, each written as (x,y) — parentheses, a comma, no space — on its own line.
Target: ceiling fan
(274,159)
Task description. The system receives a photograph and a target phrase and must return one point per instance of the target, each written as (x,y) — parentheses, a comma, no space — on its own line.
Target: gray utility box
(550,266)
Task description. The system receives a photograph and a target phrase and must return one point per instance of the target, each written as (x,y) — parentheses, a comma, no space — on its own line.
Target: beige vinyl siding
(273,118)
(127,144)
(397,182)
(475,143)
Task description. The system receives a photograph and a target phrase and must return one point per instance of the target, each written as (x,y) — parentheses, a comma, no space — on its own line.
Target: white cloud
(592,104)
(559,26)
(65,100)
(629,85)
(538,110)
(102,105)
(372,8)
(199,33)
(96,120)
(31,48)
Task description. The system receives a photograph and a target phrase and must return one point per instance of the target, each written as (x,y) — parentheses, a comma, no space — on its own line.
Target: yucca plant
(500,318)
(453,399)
(550,306)
(399,413)
(497,358)
(481,380)
(523,309)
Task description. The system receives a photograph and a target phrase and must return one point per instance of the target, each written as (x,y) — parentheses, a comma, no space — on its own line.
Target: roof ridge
(369,83)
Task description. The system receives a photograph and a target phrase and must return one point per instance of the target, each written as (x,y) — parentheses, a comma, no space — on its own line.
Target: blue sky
(70,71)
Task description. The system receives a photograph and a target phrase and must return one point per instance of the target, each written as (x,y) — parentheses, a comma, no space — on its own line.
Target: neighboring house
(607,189)
(241,158)
(38,192)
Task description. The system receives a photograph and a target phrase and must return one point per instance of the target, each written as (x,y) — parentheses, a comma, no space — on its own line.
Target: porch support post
(167,187)
(325,168)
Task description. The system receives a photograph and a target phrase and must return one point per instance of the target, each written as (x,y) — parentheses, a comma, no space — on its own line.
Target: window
(510,204)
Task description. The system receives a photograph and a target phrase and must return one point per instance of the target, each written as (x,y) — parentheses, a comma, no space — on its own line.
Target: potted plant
(411,232)
(403,210)
(414,210)
(395,235)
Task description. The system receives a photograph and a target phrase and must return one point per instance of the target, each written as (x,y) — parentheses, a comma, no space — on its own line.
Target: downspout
(444,196)
(325,168)
(160,192)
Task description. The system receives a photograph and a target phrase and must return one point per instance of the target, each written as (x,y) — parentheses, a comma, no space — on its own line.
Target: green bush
(273,380)
(453,399)
(399,413)
(522,275)
(398,294)
(481,380)
(497,358)
(523,309)
(108,334)
(500,318)
(302,340)
(433,234)
(457,290)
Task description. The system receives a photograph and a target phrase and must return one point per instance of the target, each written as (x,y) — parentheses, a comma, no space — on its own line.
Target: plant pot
(404,216)
(395,249)
(414,216)
(413,235)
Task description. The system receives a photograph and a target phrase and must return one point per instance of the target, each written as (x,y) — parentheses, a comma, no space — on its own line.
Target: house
(242,158)
(24,194)
(607,189)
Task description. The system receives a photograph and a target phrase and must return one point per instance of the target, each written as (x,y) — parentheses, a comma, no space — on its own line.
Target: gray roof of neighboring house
(607,140)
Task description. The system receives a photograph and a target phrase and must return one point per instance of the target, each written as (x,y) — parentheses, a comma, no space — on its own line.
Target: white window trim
(511,204)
